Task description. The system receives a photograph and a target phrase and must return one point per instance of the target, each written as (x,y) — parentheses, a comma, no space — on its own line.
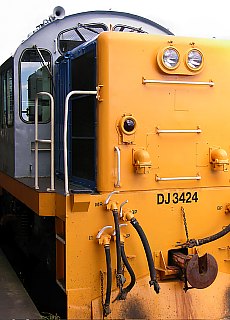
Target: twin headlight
(194,59)
(171,59)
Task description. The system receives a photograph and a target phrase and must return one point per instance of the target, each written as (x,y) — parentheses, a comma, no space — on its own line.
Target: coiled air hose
(193,242)
(106,305)
(148,253)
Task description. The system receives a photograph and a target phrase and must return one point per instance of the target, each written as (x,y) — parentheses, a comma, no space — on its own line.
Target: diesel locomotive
(114,167)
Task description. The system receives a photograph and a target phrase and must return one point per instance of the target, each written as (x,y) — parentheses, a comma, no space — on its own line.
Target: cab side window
(35,76)
(6,96)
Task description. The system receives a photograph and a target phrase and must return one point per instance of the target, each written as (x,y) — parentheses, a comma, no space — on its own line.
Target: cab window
(6,95)
(35,76)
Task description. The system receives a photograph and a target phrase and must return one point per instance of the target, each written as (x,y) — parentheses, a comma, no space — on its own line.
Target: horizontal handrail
(158,131)
(197,177)
(43,140)
(205,83)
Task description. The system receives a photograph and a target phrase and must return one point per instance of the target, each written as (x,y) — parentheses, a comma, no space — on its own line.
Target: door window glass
(35,77)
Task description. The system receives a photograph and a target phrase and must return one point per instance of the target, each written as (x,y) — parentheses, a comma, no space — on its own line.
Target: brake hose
(148,253)
(129,287)
(193,242)
(120,276)
(106,305)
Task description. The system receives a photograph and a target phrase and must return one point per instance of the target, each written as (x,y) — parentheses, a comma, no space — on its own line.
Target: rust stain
(184,305)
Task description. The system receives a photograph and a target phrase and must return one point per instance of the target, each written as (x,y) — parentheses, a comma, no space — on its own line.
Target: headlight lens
(129,124)
(170,58)
(195,59)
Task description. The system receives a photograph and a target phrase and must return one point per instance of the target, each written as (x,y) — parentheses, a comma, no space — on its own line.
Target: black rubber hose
(120,277)
(106,305)
(192,243)
(124,291)
(129,287)
(148,253)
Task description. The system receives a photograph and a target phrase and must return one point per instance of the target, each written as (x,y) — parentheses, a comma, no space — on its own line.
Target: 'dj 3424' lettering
(183,197)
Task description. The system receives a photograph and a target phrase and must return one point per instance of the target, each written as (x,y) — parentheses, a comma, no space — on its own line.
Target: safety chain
(185,223)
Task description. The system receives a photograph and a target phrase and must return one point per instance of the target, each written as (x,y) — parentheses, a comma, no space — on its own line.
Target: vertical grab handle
(50,141)
(65,131)
(118,182)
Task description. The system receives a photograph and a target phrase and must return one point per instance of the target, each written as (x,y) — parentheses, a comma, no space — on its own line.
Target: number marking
(183,197)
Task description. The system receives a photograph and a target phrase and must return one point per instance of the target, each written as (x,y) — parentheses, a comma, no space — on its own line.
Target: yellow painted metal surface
(123,60)
(164,228)
(171,303)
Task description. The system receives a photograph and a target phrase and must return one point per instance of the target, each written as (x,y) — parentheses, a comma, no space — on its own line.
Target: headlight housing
(194,59)
(170,58)
(128,125)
